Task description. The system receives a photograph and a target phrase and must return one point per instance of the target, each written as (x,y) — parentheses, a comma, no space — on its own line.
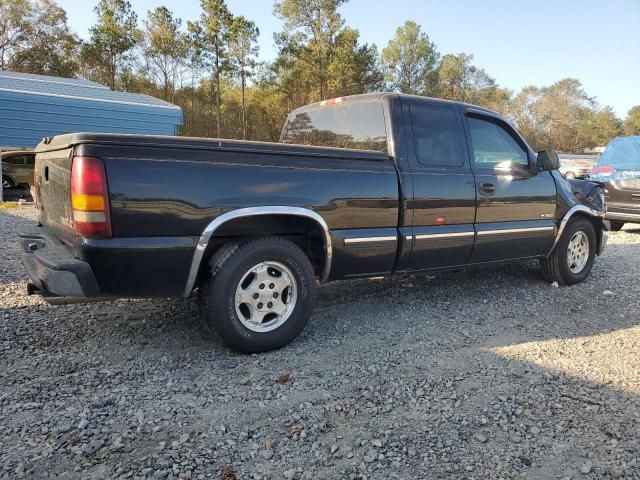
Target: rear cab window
(438,135)
(338,123)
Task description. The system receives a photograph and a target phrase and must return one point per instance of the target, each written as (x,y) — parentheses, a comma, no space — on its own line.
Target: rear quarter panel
(174,193)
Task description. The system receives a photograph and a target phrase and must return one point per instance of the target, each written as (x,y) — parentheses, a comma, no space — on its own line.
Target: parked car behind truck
(360,186)
(17,169)
(619,170)
(576,166)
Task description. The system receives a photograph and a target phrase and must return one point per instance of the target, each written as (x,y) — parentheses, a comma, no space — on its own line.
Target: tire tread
(551,267)
(218,262)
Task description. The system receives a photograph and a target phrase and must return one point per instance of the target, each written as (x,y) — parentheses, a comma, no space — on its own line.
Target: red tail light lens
(90,198)
(601,171)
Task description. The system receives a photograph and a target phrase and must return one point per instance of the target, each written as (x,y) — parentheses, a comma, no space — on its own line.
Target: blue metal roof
(37,106)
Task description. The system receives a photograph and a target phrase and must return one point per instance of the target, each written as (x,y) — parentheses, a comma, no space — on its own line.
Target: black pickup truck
(369,185)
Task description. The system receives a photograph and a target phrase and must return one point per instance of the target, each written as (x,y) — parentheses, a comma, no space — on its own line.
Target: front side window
(438,136)
(494,147)
(359,126)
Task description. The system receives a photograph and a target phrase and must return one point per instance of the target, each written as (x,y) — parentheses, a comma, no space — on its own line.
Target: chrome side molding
(210,230)
(434,236)
(515,230)
(572,211)
(357,240)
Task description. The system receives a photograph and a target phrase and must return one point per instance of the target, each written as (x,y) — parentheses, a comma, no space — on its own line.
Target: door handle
(487,188)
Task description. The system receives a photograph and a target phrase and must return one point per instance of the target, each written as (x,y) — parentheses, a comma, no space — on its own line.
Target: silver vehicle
(17,169)
(576,166)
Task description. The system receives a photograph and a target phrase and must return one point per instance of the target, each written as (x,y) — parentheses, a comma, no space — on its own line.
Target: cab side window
(438,135)
(14,160)
(493,146)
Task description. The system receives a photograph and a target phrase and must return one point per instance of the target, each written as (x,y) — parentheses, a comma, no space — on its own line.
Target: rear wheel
(616,226)
(258,295)
(572,258)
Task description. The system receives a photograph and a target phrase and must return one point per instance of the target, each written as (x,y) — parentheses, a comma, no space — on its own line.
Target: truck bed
(164,191)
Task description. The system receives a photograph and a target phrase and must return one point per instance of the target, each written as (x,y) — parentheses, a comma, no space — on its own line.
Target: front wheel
(572,258)
(258,295)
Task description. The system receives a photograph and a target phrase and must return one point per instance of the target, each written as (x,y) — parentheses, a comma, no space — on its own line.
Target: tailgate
(52,185)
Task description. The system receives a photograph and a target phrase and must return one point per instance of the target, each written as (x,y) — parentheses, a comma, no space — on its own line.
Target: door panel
(444,196)
(516,198)
(516,204)
(521,238)
(442,246)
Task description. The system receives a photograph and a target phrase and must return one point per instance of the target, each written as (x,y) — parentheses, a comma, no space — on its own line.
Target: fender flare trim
(567,216)
(211,229)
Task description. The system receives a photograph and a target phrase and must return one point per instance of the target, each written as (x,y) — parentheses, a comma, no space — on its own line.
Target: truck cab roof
(379,96)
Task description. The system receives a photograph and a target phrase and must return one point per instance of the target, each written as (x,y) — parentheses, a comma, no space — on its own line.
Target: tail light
(601,171)
(90,198)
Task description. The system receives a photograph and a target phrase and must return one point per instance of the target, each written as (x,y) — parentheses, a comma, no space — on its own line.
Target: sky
(518,43)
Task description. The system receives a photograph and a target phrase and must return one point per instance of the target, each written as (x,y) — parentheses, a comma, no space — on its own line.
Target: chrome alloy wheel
(266,296)
(578,252)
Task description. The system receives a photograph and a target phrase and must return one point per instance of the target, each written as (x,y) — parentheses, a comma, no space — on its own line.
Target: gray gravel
(486,373)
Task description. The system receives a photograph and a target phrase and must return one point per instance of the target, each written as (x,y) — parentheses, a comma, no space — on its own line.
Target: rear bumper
(53,267)
(102,269)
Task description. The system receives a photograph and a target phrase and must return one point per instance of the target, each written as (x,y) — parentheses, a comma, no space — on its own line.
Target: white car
(575,167)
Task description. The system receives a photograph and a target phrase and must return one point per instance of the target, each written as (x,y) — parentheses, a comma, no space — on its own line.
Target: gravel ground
(486,373)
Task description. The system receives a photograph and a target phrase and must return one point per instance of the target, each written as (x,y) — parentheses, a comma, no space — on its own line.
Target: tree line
(210,67)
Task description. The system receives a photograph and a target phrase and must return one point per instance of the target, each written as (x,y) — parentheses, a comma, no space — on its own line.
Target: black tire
(217,292)
(7,182)
(555,268)
(570,175)
(616,226)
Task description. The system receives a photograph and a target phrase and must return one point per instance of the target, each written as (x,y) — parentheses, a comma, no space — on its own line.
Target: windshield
(359,126)
(622,153)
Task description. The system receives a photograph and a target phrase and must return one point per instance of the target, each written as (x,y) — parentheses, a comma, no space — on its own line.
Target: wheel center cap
(265,296)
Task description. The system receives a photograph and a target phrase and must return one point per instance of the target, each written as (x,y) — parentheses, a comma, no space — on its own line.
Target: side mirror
(548,160)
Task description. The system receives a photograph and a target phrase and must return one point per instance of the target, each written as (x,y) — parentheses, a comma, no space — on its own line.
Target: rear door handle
(487,188)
